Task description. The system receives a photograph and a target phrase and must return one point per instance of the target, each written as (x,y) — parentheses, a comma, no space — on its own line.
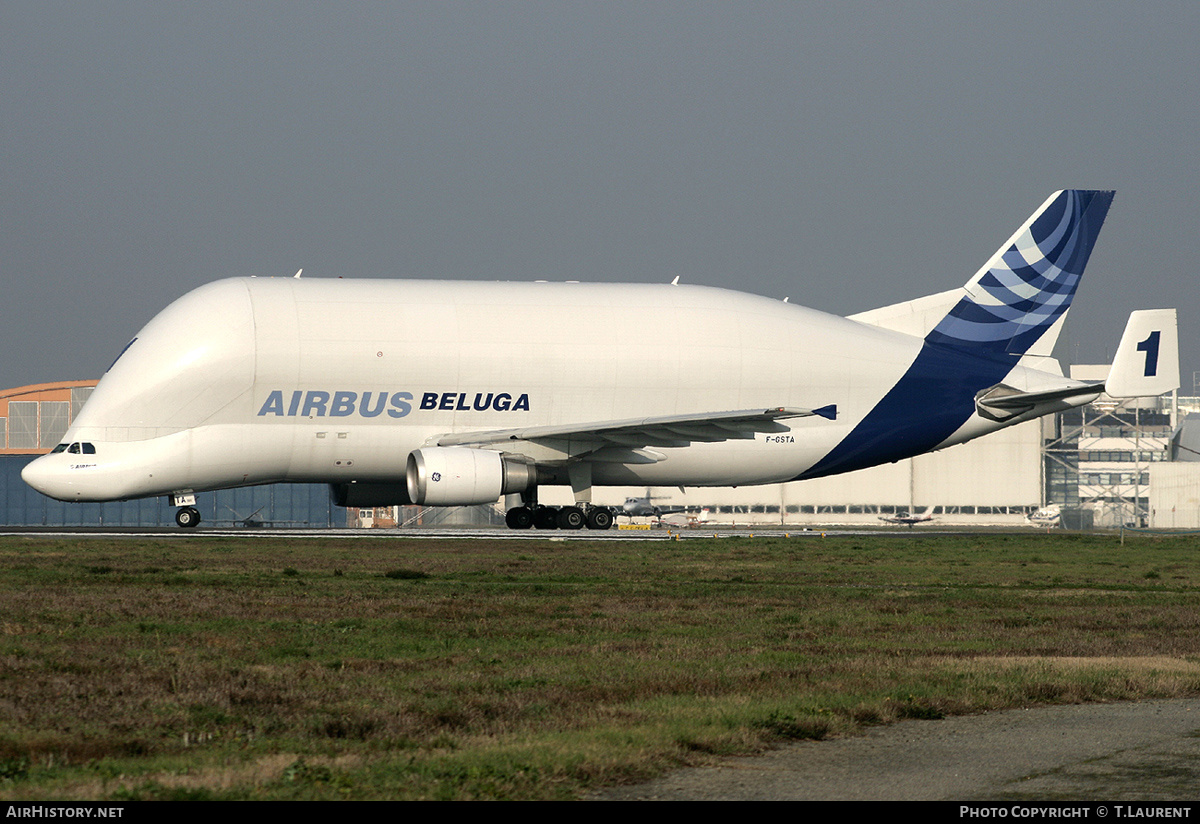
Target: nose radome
(44,477)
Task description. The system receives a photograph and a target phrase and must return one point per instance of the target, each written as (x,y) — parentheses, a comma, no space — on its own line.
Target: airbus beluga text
(450,393)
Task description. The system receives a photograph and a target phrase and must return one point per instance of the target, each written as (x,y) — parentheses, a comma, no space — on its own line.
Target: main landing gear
(187,517)
(552,517)
(532,514)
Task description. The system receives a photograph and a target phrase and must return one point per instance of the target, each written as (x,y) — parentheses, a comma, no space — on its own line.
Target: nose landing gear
(187,517)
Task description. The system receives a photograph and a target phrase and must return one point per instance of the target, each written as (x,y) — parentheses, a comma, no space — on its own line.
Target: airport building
(1101,465)
(1175,484)
(33,418)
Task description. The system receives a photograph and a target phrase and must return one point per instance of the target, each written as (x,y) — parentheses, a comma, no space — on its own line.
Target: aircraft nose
(46,478)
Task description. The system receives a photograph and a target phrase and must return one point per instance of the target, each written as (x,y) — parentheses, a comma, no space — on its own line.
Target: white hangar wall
(994,479)
(1175,495)
(1002,469)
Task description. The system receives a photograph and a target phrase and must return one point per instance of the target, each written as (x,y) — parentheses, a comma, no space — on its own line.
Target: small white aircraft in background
(446,393)
(1047,516)
(905,517)
(645,506)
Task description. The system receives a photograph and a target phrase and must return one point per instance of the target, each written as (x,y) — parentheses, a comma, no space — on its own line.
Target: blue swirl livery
(1014,300)
(1028,285)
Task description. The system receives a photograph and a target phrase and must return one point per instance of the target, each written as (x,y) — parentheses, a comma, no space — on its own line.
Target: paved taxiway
(436,533)
(1144,751)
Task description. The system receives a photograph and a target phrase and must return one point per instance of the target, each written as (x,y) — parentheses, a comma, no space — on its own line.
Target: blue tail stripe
(1016,313)
(925,407)
(1055,240)
(1012,318)
(1040,274)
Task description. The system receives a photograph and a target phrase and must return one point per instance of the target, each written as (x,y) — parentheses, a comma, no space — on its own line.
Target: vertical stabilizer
(1027,286)
(1012,306)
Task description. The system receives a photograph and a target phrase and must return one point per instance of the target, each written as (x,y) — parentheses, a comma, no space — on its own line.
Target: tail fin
(1016,302)
(1147,361)
(1007,310)
(1027,286)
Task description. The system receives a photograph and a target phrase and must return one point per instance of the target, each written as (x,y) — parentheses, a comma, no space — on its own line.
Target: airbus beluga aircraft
(446,393)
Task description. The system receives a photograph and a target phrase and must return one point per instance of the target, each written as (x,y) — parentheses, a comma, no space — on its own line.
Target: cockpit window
(62,447)
(88,449)
(122,352)
(82,447)
(74,450)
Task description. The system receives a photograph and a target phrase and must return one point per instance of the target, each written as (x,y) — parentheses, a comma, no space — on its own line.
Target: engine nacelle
(459,475)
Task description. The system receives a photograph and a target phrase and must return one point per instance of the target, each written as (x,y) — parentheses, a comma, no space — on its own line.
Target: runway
(489,534)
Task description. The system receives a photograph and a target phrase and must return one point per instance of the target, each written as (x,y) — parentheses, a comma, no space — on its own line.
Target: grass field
(234,668)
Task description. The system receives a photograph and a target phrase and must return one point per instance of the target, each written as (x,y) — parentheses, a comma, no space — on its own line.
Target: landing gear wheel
(599,517)
(519,517)
(570,517)
(187,517)
(545,517)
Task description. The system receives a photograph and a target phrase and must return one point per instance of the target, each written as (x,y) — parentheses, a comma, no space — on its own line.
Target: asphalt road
(493,533)
(1146,751)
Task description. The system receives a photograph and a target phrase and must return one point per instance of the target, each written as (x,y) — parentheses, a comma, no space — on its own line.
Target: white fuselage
(257,380)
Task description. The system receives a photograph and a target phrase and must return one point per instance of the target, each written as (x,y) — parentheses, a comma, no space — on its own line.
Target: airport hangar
(1101,465)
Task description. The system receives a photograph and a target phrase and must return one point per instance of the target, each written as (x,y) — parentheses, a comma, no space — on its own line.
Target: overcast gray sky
(847,155)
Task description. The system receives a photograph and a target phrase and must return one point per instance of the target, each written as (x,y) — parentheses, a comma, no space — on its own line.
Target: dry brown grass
(238,669)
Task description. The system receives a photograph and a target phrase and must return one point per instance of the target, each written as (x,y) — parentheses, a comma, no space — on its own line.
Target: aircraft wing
(665,430)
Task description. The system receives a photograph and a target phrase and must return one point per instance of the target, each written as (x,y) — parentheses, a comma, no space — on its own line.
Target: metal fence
(298,505)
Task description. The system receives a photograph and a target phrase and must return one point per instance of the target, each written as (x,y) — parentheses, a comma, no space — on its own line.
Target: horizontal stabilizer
(1001,401)
(1147,361)
(1146,365)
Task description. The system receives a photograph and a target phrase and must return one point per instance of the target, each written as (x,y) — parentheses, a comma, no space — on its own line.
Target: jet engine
(458,476)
